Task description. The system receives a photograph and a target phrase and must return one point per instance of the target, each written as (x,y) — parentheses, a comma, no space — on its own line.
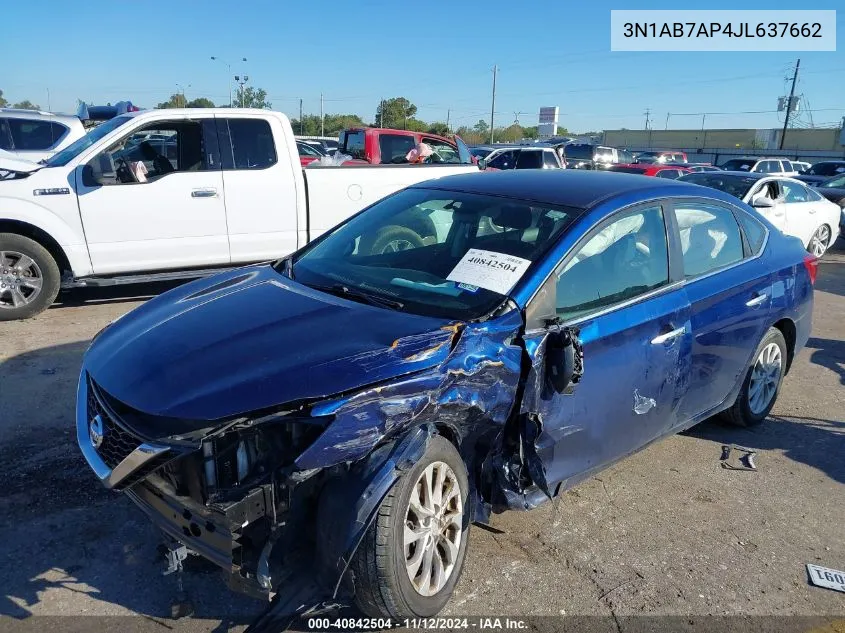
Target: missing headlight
(248,456)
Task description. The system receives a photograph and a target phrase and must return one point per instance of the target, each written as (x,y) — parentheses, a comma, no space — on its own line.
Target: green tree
(530,132)
(333,124)
(509,134)
(481,127)
(438,128)
(415,125)
(26,104)
(177,100)
(200,102)
(395,113)
(3,102)
(250,97)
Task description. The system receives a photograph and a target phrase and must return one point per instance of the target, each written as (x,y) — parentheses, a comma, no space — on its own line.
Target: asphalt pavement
(667,533)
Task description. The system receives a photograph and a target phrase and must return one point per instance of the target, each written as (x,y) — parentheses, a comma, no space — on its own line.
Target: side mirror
(482,163)
(564,359)
(761,201)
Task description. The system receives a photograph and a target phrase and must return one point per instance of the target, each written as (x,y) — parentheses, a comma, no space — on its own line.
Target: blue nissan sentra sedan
(468,345)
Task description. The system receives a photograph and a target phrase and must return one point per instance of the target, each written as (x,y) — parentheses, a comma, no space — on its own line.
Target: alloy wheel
(820,240)
(433,528)
(765,377)
(20,279)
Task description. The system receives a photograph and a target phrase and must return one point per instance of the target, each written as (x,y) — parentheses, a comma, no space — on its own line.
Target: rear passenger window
(710,238)
(755,233)
(394,148)
(30,134)
(549,160)
(246,144)
(668,173)
(626,258)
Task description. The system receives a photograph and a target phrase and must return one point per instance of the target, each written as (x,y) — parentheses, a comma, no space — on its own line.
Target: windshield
(437,253)
(834,183)
(826,169)
(739,164)
(80,145)
(735,185)
(579,151)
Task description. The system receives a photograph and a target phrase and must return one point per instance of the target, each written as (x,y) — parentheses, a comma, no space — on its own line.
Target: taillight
(811,263)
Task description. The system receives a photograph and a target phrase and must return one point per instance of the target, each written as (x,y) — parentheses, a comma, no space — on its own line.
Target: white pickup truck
(167,194)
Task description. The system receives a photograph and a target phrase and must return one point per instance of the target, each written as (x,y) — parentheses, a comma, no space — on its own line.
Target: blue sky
(438,54)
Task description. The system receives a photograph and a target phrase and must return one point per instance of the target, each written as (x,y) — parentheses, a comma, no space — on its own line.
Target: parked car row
(233,175)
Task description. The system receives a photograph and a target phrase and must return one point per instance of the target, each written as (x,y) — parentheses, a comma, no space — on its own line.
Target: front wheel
(820,241)
(412,555)
(29,277)
(762,382)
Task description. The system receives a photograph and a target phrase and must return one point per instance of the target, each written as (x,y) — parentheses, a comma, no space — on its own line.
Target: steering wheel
(123,172)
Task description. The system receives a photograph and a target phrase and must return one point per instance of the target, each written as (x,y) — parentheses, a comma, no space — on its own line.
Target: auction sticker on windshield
(489,270)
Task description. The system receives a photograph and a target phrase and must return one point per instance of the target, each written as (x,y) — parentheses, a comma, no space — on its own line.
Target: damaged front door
(616,288)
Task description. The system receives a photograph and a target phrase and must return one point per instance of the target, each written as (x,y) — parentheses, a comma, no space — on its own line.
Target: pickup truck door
(261,196)
(170,217)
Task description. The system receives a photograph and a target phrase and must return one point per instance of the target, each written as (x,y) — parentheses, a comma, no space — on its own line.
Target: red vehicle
(663,156)
(307,153)
(656,169)
(379,146)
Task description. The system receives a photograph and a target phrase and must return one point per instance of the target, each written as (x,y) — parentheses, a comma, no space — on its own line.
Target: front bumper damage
(299,522)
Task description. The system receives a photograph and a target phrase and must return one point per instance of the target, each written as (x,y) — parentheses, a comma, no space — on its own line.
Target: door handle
(668,336)
(204,193)
(753,303)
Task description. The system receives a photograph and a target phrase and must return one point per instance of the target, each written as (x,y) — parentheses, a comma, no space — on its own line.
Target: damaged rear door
(617,289)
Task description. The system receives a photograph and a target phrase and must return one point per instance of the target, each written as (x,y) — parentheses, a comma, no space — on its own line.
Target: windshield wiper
(359,295)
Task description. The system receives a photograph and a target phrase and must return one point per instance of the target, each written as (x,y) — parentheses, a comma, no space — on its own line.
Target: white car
(757,165)
(789,204)
(34,135)
(800,165)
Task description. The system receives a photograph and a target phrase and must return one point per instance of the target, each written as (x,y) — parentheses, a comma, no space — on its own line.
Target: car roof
(753,175)
(20,113)
(564,187)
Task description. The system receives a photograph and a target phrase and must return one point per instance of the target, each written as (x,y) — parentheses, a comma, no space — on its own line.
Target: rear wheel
(392,239)
(762,382)
(412,555)
(29,277)
(820,241)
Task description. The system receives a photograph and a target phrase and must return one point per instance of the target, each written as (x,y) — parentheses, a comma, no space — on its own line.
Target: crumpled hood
(251,339)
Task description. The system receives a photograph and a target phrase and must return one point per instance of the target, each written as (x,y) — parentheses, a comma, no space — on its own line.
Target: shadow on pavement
(113,294)
(830,277)
(63,533)
(814,442)
(828,353)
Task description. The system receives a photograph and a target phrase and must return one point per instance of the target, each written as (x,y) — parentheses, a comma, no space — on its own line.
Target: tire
(22,289)
(744,412)
(383,586)
(820,241)
(391,239)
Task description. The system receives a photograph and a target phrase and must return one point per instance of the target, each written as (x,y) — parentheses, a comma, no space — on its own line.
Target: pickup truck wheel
(762,382)
(411,557)
(29,277)
(392,239)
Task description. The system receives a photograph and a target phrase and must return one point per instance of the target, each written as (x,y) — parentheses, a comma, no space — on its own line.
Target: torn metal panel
(476,383)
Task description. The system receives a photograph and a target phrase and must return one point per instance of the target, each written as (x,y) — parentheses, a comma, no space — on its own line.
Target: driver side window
(153,151)
(624,259)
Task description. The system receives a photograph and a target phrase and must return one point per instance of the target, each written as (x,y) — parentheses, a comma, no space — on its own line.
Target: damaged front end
(281,498)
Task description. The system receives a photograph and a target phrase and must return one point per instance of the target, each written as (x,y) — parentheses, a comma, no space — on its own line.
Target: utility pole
(49,109)
(381,114)
(301,122)
(647,114)
(242,79)
(229,69)
(789,104)
(322,120)
(493,106)
(448,116)
(668,114)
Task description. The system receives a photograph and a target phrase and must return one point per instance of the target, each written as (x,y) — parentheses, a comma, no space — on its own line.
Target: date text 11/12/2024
(418,624)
